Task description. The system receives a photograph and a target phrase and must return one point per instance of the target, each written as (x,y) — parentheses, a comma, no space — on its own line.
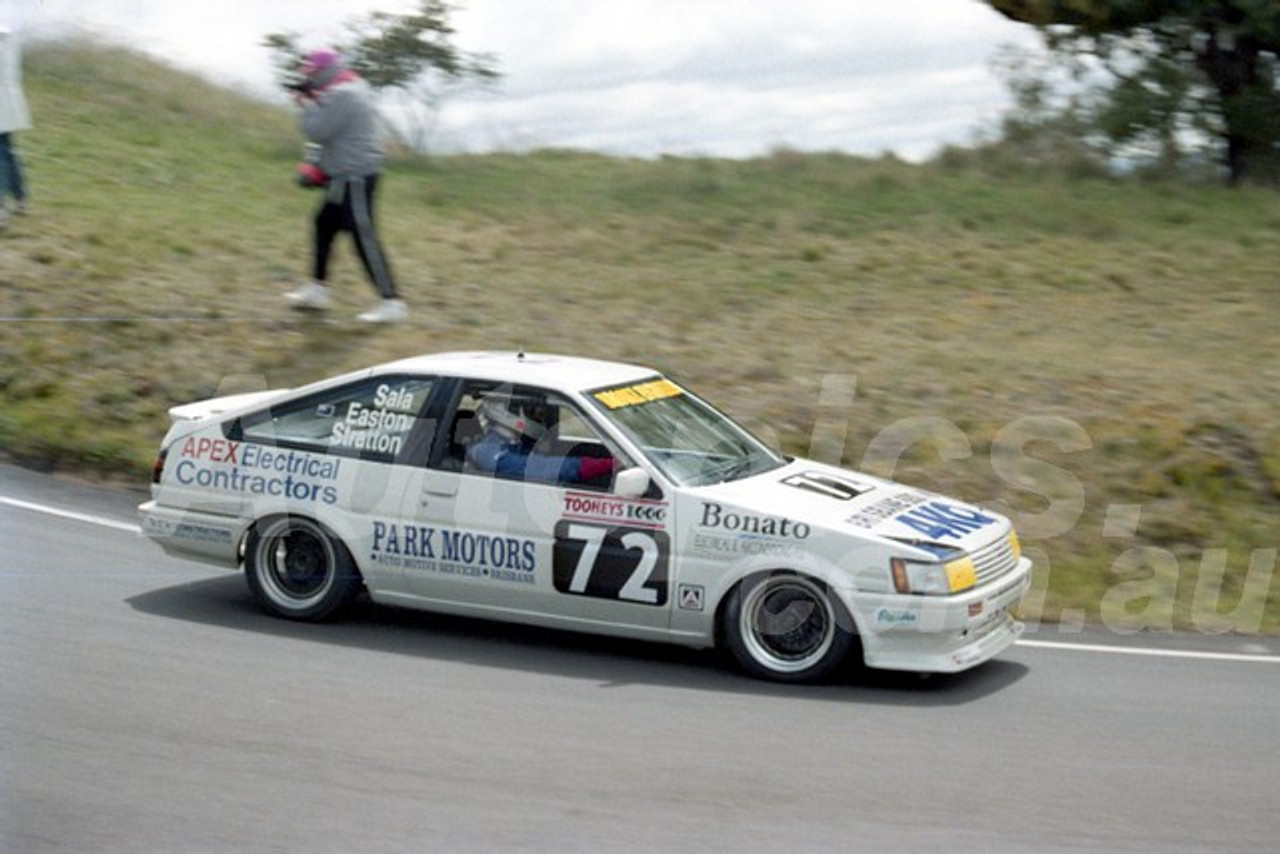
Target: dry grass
(1070,351)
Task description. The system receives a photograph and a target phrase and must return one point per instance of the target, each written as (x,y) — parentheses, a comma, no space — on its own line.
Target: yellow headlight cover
(961,574)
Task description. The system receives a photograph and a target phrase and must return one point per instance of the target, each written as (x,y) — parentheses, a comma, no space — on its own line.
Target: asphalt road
(147,705)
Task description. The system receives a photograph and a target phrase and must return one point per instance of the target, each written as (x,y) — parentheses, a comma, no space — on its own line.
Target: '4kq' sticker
(626,564)
(937,520)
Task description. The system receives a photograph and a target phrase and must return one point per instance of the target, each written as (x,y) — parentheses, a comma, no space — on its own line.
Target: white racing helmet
(515,416)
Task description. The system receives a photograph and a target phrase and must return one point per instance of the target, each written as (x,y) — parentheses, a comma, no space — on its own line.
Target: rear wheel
(297,569)
(787,627)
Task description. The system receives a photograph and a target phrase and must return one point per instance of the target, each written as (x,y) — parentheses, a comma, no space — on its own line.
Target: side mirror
(631,483)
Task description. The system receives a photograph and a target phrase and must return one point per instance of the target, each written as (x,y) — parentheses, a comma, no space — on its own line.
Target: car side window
(529,434)
(372,419)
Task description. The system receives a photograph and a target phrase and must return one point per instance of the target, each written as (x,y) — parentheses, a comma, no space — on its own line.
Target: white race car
(585,495)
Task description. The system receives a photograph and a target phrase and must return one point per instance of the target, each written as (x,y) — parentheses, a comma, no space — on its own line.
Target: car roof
(564,373)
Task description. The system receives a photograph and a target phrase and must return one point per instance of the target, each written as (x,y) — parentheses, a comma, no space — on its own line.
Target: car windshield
(686,439)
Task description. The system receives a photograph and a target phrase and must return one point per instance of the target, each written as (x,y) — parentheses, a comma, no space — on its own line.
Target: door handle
(443,484)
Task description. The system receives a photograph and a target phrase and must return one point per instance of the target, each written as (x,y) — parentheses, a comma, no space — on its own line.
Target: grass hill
(1098,358)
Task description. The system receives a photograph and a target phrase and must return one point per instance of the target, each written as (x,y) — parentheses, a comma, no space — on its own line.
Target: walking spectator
(338,116)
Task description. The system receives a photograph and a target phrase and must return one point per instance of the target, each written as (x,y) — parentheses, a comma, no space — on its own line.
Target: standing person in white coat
(14,116)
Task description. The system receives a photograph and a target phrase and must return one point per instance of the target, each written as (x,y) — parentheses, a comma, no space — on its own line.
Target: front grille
(994,560)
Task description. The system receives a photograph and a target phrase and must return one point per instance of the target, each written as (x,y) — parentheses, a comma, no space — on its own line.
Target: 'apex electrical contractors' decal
(257,470)
(449,551)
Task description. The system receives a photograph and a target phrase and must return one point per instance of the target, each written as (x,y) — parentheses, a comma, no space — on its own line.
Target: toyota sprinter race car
(583,495)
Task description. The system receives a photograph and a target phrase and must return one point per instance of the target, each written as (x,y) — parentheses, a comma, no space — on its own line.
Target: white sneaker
(312,296)
(387,311)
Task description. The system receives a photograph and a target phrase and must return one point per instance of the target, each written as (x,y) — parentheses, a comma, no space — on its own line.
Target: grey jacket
(344,123)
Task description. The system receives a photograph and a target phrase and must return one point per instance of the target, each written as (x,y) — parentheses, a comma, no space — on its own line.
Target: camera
(299,83)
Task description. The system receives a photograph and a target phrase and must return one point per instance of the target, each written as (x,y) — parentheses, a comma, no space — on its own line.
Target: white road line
(1102,649)
(101,521)
(1151,652)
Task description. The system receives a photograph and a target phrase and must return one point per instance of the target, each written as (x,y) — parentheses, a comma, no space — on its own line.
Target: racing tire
(296,569)
(787,628)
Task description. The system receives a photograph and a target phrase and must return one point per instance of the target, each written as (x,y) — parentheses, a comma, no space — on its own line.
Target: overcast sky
(727,78)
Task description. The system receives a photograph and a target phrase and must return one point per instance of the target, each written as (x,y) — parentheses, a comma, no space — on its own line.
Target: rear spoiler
(214,406)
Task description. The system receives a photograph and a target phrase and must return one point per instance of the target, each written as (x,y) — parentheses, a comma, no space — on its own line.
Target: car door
(544,540)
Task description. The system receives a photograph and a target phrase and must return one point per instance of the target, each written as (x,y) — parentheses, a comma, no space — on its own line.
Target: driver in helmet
(512,427)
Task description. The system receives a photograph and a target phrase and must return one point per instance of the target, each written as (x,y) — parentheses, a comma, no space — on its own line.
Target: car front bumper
(942,634)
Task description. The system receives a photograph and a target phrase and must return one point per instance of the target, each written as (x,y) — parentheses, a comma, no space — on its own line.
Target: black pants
(11,182)
(348,206)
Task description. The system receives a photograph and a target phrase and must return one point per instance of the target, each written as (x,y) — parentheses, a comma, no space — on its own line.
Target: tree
(1212,60)
(1050,125)
(410,59)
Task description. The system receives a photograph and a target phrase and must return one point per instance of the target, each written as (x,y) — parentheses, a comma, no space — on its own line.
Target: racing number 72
(628,564)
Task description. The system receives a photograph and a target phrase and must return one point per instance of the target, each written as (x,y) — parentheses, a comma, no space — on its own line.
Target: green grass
(1099,358)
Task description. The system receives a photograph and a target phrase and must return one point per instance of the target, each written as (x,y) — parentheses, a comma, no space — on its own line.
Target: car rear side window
(373,419)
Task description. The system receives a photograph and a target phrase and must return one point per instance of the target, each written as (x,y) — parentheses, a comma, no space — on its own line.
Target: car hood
(846,502)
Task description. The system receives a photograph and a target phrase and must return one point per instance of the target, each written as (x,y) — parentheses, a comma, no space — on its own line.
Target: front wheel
(297,569)
(788,628)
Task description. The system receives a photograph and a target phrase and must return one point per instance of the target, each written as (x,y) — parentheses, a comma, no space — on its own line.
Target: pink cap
(319,59)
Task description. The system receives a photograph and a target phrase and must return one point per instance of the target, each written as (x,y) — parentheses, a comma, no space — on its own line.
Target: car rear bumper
(194,535)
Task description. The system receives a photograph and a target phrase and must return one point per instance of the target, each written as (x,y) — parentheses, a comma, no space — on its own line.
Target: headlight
(933,579)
